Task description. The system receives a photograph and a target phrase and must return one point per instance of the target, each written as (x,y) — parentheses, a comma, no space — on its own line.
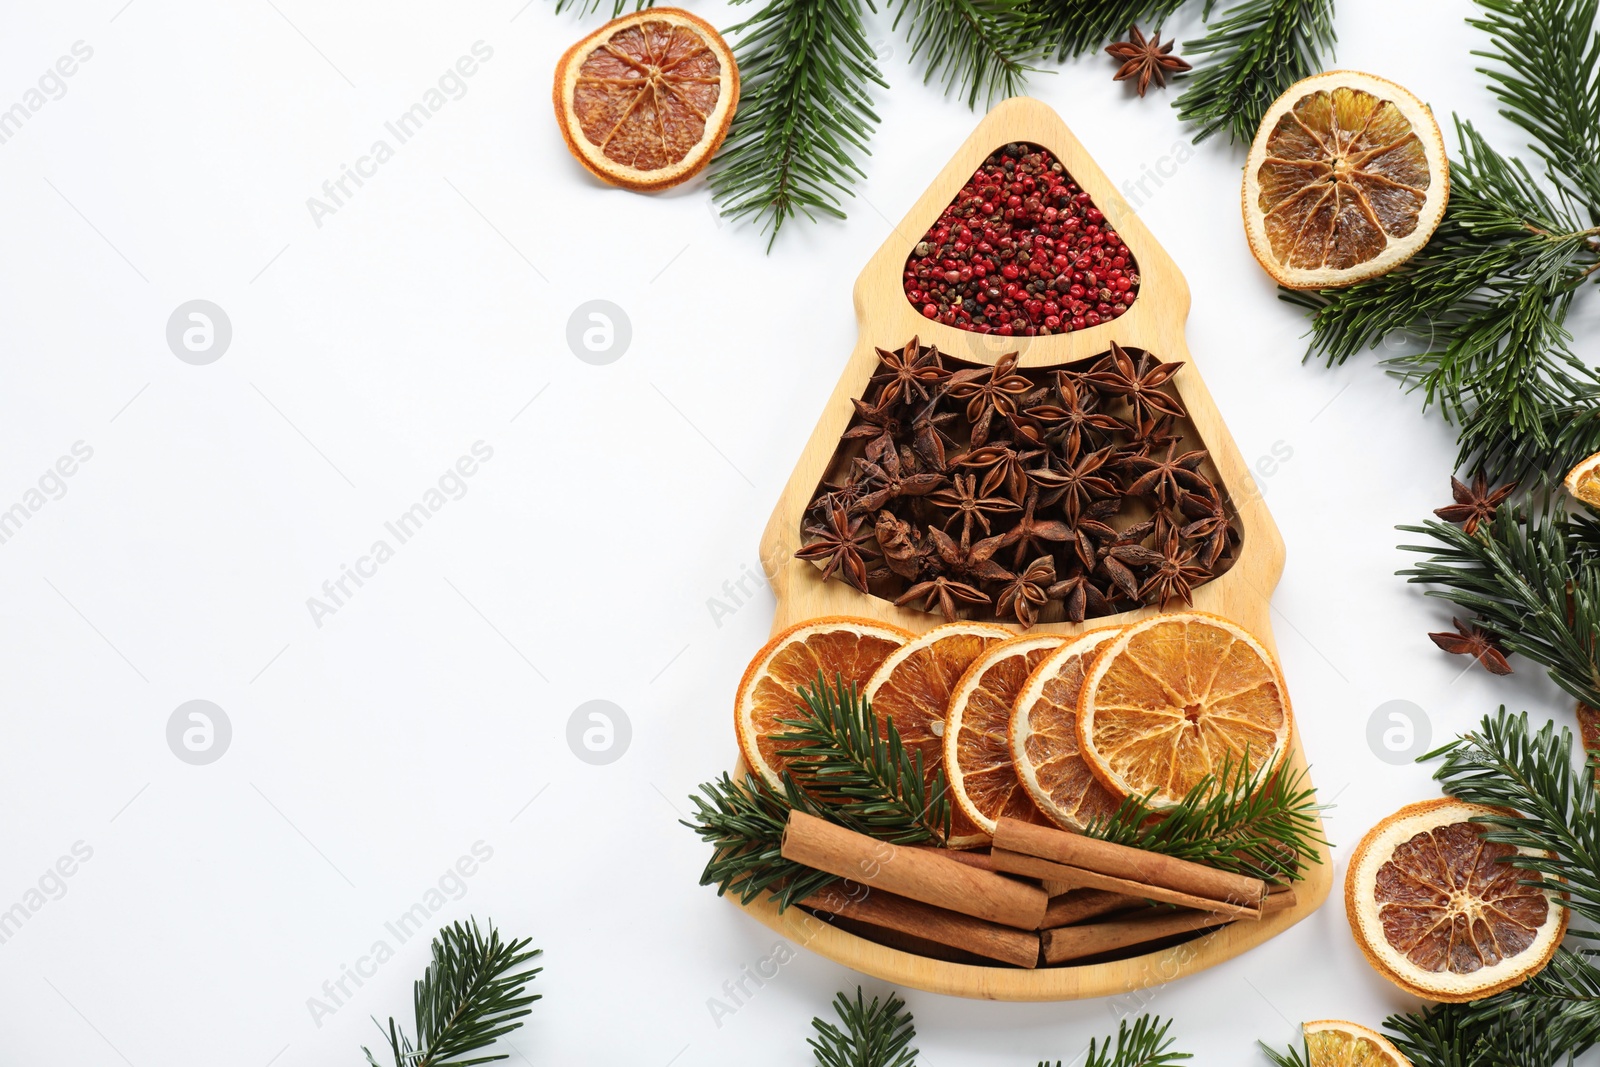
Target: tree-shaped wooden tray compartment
(1153,322)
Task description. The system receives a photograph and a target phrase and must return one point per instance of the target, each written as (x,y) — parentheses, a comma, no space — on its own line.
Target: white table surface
(429,711)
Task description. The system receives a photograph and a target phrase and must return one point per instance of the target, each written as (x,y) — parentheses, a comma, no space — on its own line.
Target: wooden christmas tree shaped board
(1153,322)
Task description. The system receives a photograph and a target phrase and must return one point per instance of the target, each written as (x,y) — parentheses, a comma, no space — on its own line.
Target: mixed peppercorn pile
(1021,251)
(991,492)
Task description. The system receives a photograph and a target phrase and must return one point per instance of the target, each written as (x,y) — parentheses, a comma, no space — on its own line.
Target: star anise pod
(906,375)
(1476,642)
(1005,468)
(1079,420)
(1208,526)
(1117,558)
(944,592)
(1082,480)
(879,422)
(1087,529)
(989,391)
(1030,533)
(1079,597)
(968,560)
(1025,594)
(930,443)
(1169,476)
(964,502)
(1144,59)
(1139,382)
(903,552)
(840,541)
(889,480)
(1474,505)
(1149,436)
(1172,578)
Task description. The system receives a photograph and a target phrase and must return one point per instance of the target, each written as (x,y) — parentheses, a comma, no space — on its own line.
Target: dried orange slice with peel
(1043,736)
(977,751)
(1335,1043)
(645,101)
(837,646)
(1583,481)
(1436,910)
(914,684)
(1589,732)
(1346,180)
(1176,697)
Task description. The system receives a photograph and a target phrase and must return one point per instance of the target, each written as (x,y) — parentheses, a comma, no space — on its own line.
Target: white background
(427,314)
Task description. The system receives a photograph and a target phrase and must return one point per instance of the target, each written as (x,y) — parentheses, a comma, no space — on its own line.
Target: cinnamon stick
(1081,905)
(1133,864)
(924,921)
(1078,878)
(1281,898)
(1092,939)
(920,874)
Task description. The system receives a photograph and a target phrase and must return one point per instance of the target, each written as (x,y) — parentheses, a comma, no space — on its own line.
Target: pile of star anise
(989,492)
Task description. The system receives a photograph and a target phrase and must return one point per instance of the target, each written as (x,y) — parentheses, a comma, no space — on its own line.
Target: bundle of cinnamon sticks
(1039,897)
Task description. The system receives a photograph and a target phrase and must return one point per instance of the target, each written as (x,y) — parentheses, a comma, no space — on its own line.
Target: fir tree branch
(1489,295)
(1547,1021)
(471,995)
(589,7)
(1506,764)
(805,112)
(872,1035)
(1289,1057)
(1074,27)
(744,825)
(1143,1044)
(838,754)
(1547,79)
(980,48)
(1258,48)
(1264,827)
(1533,580)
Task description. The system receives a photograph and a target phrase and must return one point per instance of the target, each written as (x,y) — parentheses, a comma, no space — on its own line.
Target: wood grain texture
(1155,321)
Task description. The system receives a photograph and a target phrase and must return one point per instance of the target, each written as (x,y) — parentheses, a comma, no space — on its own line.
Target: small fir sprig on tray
(875,1034)
(1262,825)
(840,754)
(842,766)
(805,112)
(1490,293)
(1532,579)
(471,995)
(1256,50)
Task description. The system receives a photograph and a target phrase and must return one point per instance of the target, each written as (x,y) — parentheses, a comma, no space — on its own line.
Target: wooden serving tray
(1153,322)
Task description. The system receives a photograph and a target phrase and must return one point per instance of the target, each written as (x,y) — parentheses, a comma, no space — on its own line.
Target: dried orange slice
(1335,1043)
(913,686)
(977,754)
(1583,481)
(645,101)
(1170,699)
(1044,736)
(1346,180)
(851,649)
(1436,911)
